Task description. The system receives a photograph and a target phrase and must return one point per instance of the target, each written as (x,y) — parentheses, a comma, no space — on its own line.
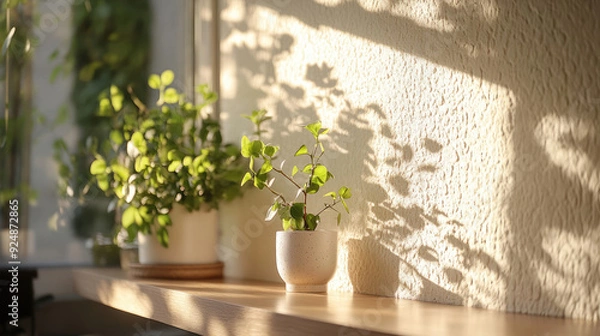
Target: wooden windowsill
(237,307)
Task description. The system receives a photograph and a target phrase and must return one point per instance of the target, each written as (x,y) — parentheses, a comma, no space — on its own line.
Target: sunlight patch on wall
(569,269)
(426,148)
(442,123)
(443,161)
(562,138)
(434,14)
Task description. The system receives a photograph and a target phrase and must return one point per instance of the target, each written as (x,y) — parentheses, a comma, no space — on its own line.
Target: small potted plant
(168,169)
(306,257)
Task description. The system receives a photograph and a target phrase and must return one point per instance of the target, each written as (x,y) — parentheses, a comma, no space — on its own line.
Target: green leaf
(141,163)
(286,224)
(345,205)
(98,167)
(246,178)
(246,147)
(167,77)
(164,220)
(294,170)
(105,108)
(266,167)
(339,218)
(159,175)
(139,142)
(116,137)
(307,169)
(256,148)
(270,150)
(314,128)
(208,95)
(198,163)
(129,217)
(297,224)
(116,98)
(312,188)
(154,81)
(174,166)
(332,194)
(171,96)
(260,181)
(86,73)
(174,155)
(319,176)
(187,161)
(146,124)
(102,181)
(120,171)
(145,215)
(345,192)
(301,151)
(297,210)
(312,221)
(258,117)
(163,236)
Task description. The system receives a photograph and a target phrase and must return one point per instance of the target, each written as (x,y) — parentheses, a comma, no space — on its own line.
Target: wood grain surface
(238,307)
(177,271)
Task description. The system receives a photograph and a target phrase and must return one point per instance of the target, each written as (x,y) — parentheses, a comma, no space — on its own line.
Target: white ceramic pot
(193,238)
(306,260)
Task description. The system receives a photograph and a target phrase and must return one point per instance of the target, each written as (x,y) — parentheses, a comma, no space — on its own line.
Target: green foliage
(109,47)
(16,121)
(293,215)
(108,54)
(159,156)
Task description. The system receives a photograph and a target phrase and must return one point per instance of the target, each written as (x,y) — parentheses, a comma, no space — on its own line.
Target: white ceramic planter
(193,239)
(306,260)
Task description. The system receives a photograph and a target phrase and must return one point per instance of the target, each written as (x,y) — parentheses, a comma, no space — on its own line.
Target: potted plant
(306,257)
(168,169)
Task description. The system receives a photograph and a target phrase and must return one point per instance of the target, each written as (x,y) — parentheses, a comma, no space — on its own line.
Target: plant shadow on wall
(532,49)
(388,244)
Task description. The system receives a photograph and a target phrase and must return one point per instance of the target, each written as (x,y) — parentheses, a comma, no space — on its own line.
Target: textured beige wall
(469,130)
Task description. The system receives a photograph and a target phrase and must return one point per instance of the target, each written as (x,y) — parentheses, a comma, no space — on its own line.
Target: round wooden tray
(177,271)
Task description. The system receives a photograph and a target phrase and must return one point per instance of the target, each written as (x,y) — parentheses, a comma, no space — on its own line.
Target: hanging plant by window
(110,47)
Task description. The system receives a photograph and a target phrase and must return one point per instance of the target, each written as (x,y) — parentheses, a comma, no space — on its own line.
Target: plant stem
(287,177)
(305,210)
(328,206)
(276,194)
(297,186)
(136,100)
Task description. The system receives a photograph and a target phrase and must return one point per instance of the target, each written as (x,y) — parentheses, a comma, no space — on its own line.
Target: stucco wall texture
(468,130)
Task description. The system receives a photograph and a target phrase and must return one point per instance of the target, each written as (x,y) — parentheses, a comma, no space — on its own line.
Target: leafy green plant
(157,157)
(109,46)
(294,215)
(16,22)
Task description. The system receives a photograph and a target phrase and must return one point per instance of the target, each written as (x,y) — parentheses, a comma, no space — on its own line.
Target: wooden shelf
(236,307)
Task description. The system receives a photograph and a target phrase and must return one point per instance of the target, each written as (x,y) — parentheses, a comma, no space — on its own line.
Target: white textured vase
(193,238)
(306,260)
